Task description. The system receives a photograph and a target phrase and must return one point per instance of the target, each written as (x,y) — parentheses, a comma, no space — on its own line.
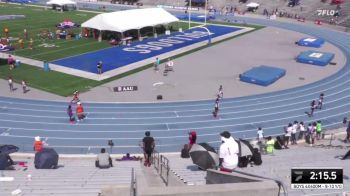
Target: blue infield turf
(262,75)
(119,56)
(315,57)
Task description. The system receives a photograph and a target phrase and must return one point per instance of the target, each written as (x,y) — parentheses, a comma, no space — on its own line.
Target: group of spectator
(21,40)
(312,132)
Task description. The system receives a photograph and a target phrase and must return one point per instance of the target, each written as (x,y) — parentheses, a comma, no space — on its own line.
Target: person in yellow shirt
(270,145)
(30,46)
(21,43)
(6,31)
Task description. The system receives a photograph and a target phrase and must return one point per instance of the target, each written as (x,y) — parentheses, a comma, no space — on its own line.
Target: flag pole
(189,14)
(205,12)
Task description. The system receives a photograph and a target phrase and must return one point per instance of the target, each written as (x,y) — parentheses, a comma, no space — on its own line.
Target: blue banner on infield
(119,56)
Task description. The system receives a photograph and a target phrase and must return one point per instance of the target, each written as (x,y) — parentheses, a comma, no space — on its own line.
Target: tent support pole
(139,34)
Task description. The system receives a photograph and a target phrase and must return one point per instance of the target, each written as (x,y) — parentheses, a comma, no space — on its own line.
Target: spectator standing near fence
(348,133)
(294,132)
(260,135)
(148,147)
(318,130)
(288,134)
(10,81)
(313,133)
(301,130)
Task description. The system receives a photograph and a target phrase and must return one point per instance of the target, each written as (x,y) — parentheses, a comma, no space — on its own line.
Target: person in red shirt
(192,138)
(38,144)
(80,111)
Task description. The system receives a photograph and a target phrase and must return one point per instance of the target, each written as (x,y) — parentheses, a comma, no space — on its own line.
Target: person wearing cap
(80,111)
(228,154)
(38,144)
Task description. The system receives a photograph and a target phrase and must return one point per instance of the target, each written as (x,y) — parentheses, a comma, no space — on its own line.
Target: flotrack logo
(166,42)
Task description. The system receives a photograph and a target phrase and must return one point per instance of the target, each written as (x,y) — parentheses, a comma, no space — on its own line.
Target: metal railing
(133,184)
(161,165)
(156,160)
(164,167)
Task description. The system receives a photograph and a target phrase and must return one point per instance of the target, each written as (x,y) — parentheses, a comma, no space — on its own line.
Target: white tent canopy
(61,2)
(253,4)
(122,21)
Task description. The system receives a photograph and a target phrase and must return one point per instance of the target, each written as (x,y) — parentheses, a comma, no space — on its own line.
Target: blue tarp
(315,57)
(262,75)
(21,1)
(195,17)
(311,42)
(116,57)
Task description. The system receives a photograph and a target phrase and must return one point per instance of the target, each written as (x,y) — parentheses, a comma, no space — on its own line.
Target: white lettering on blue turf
(167,42)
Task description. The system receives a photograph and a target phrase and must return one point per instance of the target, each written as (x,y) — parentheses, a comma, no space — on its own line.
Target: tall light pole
(205,12)
(189,14)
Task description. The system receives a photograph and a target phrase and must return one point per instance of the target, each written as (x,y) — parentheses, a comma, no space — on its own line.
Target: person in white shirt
(260,134)
(170,65)
(10,81)
(294,132)
(228,153)
(288,134)
(302,130)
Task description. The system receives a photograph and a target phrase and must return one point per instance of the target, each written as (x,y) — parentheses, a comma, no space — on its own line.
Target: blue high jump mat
(120,56)
(315,57)
(311,42)
(262,75)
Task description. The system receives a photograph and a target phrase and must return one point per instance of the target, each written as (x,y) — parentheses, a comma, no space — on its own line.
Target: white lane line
(197,128)
(290,103)
(178,115)
(334,41)
(233,101)
(161,137)
(167,126)
(191,122)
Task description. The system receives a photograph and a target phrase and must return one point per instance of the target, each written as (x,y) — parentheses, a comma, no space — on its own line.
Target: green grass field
(38,20)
